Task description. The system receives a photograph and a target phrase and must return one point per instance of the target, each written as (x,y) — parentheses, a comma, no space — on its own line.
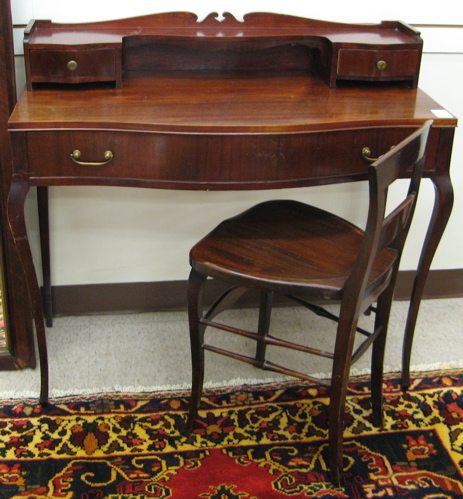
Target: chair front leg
(265,311)
(195,312)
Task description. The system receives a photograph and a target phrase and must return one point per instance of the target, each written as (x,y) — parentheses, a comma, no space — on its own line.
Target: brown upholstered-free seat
(298,250)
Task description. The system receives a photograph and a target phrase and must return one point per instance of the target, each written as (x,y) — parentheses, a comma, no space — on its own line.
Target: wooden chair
(294,249)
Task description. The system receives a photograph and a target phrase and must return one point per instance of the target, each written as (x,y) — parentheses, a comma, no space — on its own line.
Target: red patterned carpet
(256,442)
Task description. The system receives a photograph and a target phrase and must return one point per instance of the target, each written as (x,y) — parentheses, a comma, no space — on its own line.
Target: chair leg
(265,311)
(383,312)
(336,428)
(195,312)
(339,381)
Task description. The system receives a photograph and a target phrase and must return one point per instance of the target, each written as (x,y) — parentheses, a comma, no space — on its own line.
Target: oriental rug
(250,442)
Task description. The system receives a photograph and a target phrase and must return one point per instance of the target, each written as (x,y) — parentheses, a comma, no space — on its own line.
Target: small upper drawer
(73,66)
(377,64)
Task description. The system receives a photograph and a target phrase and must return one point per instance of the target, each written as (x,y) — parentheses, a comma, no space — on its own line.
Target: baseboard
(446,283)
(89,299)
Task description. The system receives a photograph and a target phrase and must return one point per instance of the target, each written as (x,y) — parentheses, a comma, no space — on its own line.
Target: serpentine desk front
(219,130)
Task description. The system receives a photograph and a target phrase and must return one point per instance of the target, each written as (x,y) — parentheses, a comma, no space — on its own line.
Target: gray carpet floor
(144,352)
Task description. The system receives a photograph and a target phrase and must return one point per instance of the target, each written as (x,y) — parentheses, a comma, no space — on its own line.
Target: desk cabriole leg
(441,213)
(17,196)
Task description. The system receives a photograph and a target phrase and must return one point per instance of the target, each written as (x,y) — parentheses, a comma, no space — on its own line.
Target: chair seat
(283,245)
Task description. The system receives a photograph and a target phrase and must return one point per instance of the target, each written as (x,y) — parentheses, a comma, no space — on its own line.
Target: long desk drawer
(206,161)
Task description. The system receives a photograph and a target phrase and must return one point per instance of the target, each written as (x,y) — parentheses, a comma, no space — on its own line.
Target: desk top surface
(213,103)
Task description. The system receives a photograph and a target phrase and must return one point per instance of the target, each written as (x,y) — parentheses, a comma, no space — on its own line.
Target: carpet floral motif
(251,442)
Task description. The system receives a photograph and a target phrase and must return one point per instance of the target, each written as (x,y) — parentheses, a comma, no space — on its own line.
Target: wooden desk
(220,130)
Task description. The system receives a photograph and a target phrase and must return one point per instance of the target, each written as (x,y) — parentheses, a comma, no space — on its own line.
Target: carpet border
(184,389)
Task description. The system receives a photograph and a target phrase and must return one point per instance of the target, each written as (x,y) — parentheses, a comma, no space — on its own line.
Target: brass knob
(366,153)
(381,65)
(75,156)
(72,65)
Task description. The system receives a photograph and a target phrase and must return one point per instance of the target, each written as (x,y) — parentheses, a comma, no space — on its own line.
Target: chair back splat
(311,256)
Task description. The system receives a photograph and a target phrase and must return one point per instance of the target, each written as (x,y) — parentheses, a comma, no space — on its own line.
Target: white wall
(411,11)
(102,234)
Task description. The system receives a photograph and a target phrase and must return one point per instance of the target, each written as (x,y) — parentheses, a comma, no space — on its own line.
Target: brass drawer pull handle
(72,65)
(108,156)
(381,65)
(366,153)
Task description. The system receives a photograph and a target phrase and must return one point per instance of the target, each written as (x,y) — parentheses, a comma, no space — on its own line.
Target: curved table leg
(441,213)
(17,196)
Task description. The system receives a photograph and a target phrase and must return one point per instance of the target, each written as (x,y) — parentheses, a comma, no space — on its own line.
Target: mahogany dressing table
(167,102)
